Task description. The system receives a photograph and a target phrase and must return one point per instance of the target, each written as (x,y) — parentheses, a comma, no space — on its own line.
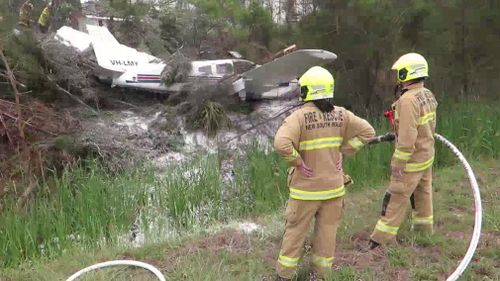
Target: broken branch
(75,98)
(27,124)
(13,84)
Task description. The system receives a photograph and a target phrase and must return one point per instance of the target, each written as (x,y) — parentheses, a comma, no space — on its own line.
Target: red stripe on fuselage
(148,78)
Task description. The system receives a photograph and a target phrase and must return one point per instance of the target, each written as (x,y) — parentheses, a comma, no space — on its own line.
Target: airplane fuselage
(148,76)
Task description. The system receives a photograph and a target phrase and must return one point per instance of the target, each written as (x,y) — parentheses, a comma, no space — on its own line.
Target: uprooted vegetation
(205,105)
(177,69)
(57,88)
(71,70)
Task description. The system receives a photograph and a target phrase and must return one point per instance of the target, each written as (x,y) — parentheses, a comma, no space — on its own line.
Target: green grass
(227,254)
(398,257)
(474,128)
(80,208)
(87,209)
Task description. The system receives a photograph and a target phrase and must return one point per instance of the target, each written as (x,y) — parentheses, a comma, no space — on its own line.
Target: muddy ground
(156,133)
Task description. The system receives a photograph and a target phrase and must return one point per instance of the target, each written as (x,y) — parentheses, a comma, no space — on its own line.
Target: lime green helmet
(316,84)
(411,66)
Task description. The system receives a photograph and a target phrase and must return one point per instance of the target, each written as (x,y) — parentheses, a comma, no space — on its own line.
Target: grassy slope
(231,255)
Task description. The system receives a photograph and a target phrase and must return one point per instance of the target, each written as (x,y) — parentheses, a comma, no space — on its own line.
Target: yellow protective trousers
(299,214)
(414,188)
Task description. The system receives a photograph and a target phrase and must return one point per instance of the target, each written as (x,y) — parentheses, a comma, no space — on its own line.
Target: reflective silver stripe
(382,227)
(317,195)
(423,220)
(427,118)
(292,156)
(318,89)
(322,261)
(401,155)
(421,166)
(356,143)
(320,143)
(288,261)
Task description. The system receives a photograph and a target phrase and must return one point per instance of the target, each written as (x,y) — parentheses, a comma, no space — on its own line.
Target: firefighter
(414,124)
(312,140)
(25,13)
(44,19)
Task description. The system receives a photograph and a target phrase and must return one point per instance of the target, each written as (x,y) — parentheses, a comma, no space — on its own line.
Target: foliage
(221,252)
(89,203)
(457,38)
(212,118)
(23,52)
(83,206)
(87,206)
(177,69)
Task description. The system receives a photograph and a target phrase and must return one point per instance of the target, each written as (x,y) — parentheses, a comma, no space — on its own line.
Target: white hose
(478,215)
(149,267)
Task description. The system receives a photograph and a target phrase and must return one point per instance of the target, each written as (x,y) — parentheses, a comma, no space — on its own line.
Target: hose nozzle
(383,138)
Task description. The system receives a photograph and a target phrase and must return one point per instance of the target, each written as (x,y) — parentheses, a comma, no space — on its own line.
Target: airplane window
(224,69)
(205,70)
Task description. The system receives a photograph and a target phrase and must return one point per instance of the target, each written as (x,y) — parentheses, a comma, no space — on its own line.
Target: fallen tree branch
(75,98)
(5,76)
(28,124)
(13,84)
(125,103)
(6,130)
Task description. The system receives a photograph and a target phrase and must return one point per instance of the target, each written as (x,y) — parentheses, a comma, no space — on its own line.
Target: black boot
(371,246)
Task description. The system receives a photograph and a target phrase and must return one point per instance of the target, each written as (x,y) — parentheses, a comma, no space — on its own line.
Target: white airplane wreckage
(122,66)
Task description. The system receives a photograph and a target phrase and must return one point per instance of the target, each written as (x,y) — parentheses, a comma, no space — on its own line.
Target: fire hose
(477,201)
(146,266)
(383,138)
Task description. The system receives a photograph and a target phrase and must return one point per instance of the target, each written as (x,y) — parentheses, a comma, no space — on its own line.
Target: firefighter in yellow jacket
(44,19)
(312,140)
(25,13)
(411,164)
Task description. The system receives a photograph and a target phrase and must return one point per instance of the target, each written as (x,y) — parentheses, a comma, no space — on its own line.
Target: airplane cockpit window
(205,70)
(224,69)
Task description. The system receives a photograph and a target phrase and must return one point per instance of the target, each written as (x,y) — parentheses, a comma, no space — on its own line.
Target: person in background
(25,14)
(44,19)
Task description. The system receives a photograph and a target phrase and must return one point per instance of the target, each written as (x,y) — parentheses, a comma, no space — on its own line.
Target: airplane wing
(73,38)
(284,69)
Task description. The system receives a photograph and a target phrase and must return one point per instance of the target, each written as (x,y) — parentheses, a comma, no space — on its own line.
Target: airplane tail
(106,48)
(112,55)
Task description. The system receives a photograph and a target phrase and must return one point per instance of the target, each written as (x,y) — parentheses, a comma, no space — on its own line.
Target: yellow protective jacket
(319,139)
(415,124)
(43,20)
